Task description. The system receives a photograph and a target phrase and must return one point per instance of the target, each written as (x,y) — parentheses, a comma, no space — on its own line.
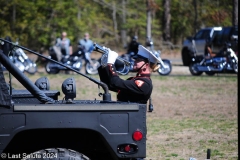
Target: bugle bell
(122,67)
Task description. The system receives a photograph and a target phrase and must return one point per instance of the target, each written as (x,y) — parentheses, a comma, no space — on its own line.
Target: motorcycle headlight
(75,58)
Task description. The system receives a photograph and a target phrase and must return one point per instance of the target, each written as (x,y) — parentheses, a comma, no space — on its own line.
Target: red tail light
(127,148)
(137,135)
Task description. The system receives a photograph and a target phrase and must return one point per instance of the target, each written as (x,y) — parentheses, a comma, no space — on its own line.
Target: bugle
(126,64)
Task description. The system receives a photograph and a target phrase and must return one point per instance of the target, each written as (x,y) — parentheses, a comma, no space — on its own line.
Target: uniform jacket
(134,89)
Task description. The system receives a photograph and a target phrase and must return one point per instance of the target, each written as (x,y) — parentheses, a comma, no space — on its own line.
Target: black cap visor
(140,58)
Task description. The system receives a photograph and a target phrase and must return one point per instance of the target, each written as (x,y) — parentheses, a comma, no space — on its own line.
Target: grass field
(191,114)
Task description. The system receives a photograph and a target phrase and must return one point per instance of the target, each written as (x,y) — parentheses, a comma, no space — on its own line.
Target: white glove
(112,56)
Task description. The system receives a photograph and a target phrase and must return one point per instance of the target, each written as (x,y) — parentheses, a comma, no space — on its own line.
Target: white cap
(144,52)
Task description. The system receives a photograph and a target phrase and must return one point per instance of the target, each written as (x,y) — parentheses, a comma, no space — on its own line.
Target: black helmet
(135,38)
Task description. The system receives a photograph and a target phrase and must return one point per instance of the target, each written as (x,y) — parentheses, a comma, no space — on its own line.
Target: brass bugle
(104,51)
(99,48)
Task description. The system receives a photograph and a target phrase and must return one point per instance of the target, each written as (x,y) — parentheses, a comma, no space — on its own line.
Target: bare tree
(151,9)
(149,19)
(195,16)
(123,30)
(166,21)
(13,18)
(116,10)
(114,18)
(235,12)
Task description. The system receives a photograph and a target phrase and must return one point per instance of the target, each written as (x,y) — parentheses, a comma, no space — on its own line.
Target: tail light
(130,148)
(137,135)
(127,148)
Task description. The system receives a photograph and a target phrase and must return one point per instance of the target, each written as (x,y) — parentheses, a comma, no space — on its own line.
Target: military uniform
(134,89)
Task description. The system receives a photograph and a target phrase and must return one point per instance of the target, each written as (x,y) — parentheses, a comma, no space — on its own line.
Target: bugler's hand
(112,56)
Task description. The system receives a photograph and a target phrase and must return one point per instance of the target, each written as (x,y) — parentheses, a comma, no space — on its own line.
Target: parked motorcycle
(75,61)
(225,61)
(165,64)
(21,60)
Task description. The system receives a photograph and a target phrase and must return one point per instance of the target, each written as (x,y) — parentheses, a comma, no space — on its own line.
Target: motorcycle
(21,60)
(75,61)
(224,61)
(165,64)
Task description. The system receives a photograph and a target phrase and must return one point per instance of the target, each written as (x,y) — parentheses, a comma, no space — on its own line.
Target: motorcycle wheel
(210,73)
(54,153)
(235,67)
(186,59)
(92,68)
(50,70)
(193,69)
(165,71)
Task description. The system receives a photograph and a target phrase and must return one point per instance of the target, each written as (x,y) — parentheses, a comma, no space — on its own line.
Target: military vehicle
(34,124)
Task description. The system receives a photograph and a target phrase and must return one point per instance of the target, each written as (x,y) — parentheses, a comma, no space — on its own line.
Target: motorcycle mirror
(17,41)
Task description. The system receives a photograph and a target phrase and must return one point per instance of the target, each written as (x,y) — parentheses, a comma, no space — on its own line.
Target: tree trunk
(123,30)
(114,18)
(166,21)
(13,18)
(195,16)
(235,12)
(149,19)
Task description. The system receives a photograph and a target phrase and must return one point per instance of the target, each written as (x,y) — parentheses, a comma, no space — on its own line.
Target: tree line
(37,23)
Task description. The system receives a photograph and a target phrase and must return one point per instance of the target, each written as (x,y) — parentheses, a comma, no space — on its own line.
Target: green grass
(210,126)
